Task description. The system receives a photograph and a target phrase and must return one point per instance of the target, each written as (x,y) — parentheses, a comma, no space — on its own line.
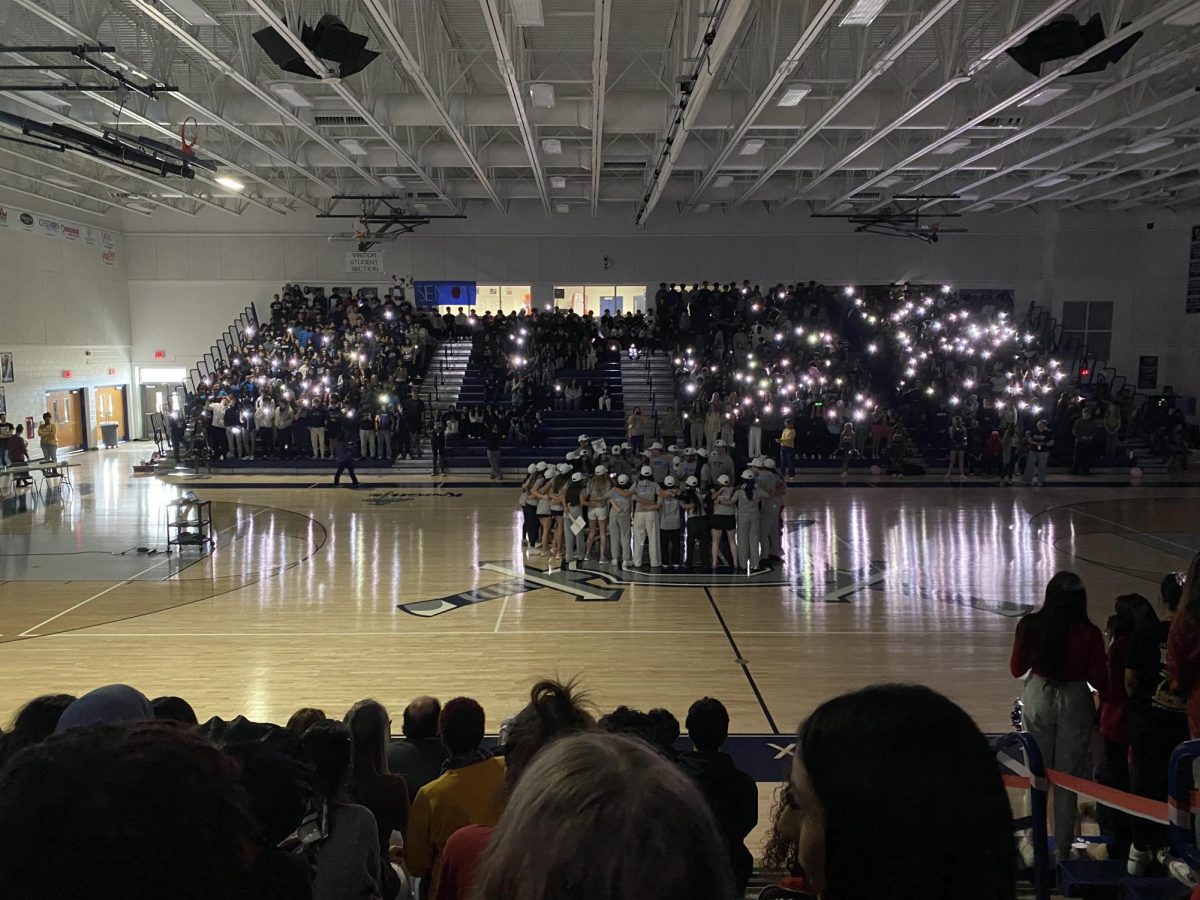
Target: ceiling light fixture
(289,94)
(562,208)
(889,181)
(232,183)
(1045,95)
(527,13)
(793,95)
(863,12)
(703,207)
(723,181)
(542,95)
(1149,146)
(558,182)
(353,146)
(392,181)
(552,146)
(752,146)
(190,11)
(952,146)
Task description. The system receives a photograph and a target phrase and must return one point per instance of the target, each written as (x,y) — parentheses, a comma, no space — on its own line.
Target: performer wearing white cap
(773,488)
(720,462)
(660,463)
(541,493)
(620,520)
(695,505)
(558,491)
(595,498)
(574,544)
(645,518)
(748,505)
(528,504)
(670,523)
(721,521)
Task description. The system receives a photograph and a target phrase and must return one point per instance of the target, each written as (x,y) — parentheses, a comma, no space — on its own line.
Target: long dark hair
(33,723)
(1191,590)
(1045,630)
(554,711)
(369,726)
(1134,614)
(961,845)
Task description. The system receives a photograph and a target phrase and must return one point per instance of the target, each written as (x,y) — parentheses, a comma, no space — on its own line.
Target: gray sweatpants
(769,530)
(645,528)
(1059,716)
(573,544)
(747,541)
(619,527)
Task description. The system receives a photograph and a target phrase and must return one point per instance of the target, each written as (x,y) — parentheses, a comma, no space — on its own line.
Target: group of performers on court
(676,508)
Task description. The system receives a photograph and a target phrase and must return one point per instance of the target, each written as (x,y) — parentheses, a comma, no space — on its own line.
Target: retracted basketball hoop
(188,137)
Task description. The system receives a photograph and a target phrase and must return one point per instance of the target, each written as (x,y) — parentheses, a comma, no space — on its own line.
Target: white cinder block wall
(62,308)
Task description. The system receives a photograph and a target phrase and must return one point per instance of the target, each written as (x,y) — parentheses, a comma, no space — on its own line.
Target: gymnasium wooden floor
(318,596)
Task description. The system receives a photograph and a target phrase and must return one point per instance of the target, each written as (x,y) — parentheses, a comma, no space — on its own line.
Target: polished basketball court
(316,596)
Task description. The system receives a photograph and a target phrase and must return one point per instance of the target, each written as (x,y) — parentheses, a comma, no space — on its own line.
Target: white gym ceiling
(563,105)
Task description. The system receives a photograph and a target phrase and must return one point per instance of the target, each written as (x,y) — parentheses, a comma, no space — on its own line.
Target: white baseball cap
(769,462)
(622,480)
(702,452)
(656,446)
(577,476)
(601,470)
(542,465)
(669,481)
(571,454)
(690,451)
(584,437)
(532,468)
(757,462)
(564,468)
(676,460)
(692,481)
(646,470)
(721,445)
(747,473)
(674,448)
(724,479)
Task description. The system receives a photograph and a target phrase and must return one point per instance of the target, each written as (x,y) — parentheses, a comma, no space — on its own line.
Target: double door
(66,409)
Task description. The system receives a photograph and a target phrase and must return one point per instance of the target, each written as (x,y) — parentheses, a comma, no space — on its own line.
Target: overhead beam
(877,69)
(46,185)
(812,32)
(268,14)
(1157,14)
(117,167)
(1014,38)
(1151,179)
(195,45)
(600,23)
(708,53)
(1164,64)
(385,25)
(512,86)
(1124,122)
(83,176)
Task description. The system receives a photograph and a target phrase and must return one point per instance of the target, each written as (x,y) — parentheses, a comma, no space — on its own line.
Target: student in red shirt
(1063,652)
(18,450)
(1183,646)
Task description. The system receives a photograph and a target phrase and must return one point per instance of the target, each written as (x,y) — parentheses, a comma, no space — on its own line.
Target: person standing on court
(747,503)
(645,519)
(48,437)
(1041,441)
(620,519)
(770,528)
(343,455)
(493,441)
(698,539)
(1059,652)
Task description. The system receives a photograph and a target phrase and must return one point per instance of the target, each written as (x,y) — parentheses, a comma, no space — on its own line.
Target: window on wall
(1089,322)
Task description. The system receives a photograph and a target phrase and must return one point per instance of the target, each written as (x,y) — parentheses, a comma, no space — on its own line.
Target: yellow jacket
(48,433)
(472,795)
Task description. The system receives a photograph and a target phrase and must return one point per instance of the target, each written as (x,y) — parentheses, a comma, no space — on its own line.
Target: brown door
(66,409)
(110,409)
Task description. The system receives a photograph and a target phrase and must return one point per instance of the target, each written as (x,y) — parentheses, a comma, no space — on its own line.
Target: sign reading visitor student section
(1193,290)
(364,262)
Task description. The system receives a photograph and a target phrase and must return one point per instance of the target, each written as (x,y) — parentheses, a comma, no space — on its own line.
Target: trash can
(108,433)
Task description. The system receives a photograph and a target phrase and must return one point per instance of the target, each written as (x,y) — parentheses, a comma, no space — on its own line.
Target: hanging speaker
(330,40)
(1063,38)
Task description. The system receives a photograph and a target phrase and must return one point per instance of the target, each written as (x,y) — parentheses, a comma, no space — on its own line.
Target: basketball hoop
(185,145)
